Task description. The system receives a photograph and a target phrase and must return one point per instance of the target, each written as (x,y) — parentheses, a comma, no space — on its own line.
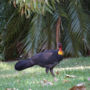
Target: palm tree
(32,25)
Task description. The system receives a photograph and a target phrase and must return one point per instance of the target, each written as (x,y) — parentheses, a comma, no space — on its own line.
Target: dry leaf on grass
(18,81)
(8,88)
(46,83)
(66,81)
(70,76)
(30,89)
(80,86)
(11,89)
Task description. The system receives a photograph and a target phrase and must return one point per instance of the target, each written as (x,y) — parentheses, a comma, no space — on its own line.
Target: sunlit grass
(31,78)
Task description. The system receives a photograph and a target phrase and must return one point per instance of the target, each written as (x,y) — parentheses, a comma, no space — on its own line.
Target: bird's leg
(51,70)
(47,69)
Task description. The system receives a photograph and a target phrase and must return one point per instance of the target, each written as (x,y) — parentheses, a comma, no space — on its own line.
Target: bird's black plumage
(48,59)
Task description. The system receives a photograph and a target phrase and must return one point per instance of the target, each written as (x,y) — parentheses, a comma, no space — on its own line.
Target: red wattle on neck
(60,49)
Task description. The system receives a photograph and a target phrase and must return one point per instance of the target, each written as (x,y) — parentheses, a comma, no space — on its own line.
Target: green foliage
(77,29)
(33,24)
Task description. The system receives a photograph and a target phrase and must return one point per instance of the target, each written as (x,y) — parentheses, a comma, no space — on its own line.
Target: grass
(31,78)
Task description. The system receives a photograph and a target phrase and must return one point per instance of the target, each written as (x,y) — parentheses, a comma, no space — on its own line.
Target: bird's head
(60,51)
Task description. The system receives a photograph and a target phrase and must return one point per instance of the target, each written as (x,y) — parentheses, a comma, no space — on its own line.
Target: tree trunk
(58,31)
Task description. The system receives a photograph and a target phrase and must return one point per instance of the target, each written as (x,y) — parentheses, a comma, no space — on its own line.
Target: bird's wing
(45,57)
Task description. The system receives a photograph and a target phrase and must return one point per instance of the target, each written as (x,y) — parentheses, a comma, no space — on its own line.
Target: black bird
(47,59)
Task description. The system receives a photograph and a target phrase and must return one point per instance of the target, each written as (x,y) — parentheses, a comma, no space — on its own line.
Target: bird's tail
(23,64)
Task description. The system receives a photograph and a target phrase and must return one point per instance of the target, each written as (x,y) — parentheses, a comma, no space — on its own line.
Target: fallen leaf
(79,86)
(70,76)
(8,88)
(66,81)
(50,83)
(18,81)
(11,89)
(46,83)
(30,89)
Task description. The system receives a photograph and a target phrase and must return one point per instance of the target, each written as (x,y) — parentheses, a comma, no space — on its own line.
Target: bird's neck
(60,51)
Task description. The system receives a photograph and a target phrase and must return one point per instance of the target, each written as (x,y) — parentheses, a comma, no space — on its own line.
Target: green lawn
(31,78)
